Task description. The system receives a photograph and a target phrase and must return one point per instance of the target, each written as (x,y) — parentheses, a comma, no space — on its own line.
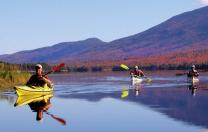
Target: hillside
(182,38)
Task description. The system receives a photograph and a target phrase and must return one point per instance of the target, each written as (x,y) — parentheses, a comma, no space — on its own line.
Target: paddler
(193,72)
(137,72)
(38,79)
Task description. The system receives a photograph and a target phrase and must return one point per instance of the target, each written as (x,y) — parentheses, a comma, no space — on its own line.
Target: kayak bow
(136,80)
(193,79)
(32,90)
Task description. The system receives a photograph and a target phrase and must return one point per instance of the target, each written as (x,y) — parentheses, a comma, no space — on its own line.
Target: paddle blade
(124,93)
(148,80)
(58,67)
(124,67)
(62,121)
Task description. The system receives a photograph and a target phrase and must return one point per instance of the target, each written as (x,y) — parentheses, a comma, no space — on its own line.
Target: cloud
(205,2)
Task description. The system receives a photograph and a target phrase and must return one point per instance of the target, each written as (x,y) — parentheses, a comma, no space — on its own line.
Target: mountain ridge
(183,33)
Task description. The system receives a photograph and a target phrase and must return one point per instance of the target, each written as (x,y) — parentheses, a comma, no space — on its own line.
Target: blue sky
(30,24)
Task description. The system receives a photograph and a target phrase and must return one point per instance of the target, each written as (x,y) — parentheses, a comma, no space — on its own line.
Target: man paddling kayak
(193,72)
(38,79)
(137,72)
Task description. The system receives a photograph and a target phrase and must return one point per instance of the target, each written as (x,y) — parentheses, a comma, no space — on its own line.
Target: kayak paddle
(124,67)
(181,74)
(55,68)
(62,121)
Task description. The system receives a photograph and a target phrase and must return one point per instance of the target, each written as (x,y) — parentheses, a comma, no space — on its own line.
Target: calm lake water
(93,103)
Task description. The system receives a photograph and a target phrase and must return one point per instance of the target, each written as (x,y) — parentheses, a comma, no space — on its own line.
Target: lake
(107,102)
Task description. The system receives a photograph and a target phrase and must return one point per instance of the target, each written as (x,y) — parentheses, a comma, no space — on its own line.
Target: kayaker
(193,72)
(38,79)
(137,72)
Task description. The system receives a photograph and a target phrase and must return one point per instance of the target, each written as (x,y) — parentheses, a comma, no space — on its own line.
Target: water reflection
(175,102)
(124,93)
(39,107)
(39,104)
(7,97)
(193,87)
(94,99)
(137,88)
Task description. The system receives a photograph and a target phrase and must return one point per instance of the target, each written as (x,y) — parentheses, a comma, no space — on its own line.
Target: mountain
(54,53)
(185,31)
(182,36)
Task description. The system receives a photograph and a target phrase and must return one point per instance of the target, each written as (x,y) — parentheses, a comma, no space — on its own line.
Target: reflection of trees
(9,98)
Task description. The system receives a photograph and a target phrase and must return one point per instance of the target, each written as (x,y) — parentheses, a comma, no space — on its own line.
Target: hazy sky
(29,24)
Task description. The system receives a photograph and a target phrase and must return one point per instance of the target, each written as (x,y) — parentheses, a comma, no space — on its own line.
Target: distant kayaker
(38,79)
(193,72)
(137,72)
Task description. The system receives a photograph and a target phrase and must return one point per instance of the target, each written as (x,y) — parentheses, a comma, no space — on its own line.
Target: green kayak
(32,90)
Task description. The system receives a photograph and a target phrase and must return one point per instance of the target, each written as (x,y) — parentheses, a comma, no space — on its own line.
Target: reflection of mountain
(94,97)
(177,103)
(180,105)
(183,38)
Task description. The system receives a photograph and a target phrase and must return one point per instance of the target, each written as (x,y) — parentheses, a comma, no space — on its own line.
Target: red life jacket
(138,73)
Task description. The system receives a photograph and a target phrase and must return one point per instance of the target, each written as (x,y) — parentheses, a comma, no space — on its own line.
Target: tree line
(31,67)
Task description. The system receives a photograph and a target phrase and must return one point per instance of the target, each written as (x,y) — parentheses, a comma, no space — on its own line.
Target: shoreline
(8,79)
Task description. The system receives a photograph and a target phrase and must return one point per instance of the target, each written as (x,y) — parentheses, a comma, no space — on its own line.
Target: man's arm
(47,81)
(141,72)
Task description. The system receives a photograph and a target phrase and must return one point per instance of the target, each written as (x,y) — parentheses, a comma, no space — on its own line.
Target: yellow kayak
(33,90)
(24,100)
(136,80)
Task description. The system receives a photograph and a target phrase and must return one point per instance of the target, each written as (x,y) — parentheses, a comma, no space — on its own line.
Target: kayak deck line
(136,80)
(26,90)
